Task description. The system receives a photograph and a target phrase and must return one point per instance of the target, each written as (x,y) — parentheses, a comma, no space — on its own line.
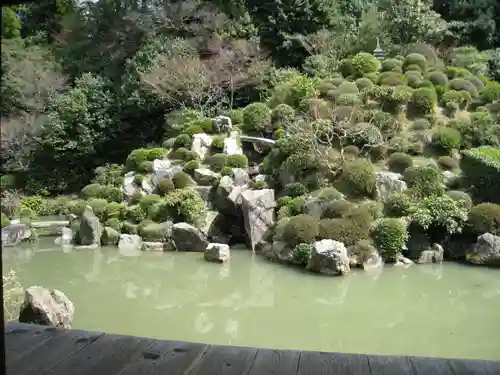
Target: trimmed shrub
(190,166)
(301,254)
(424,181)
(153,232)
(217,162)
(399,162)
(415,59)
(391,100)
(113,194)
(365,134)
(438,78)
(329,194)
(390,237)
(259,185)
(423,101)
(282,115)
(315,108)
(226,171)
(347,100)
(165,186)
(237,161)
(475,81)
(485,218)
(99,206)
(447,139)
(448,163)
(392,65)
(357,179)
(182,140)
(481,170)
(352,151)
(109,174)
(365,63)
(115,211)
(181,180)
(182,205)
(156,153)
(92,191)
(454,96)
(421,124)
(413,68)
(346,68)
(414,79)
(460,197)
(218,142)
(460,84)
(353,227)
(135,158)
(392,79)
(114,223)
(295,189)
(300,229)
(145,167)
(398,205)
(129,228)
(364,84)
(337,209)
(256,117)
(135,214)
(491,92)
(236,116)
(193,129)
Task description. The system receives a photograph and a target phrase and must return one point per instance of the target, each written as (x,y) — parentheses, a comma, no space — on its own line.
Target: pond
(447,310)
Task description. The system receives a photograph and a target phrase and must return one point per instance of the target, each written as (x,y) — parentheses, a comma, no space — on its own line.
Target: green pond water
(447,310)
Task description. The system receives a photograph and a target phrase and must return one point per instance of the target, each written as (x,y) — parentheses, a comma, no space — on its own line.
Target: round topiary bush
(329,194)
(300,229)
(301,253)
(156,153)
(392,79)
(414,78)
(282,115)
(145,167)
(218,142)
(447,139)
(476,81)
(392,65)
(294,189)
(390,237)
(217,162)
(364,84)
(365,63)
(357,179)
(256,117)
(182,140)
(165,186)
(485,218)
(461,197)
(415,59)
(399,162)
(226,171)
(115,210)
(92,191)
(461,84)
(438,78)
(190,166)
(347,88)
(424,181)
(423,101)
(448,163)
(237,161)
(181,180)
(348,100)
(337,209)
(421,124)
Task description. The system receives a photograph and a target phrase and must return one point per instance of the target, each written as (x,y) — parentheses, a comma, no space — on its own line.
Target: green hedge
(481,170)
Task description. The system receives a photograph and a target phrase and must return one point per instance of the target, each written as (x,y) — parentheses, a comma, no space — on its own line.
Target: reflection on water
(432,310)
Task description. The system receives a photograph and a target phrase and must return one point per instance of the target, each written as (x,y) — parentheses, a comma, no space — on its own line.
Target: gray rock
(215,227)
(188,238)
(227,197)
(403,261)
(90,230)
(128,185)
(147,185)
(258,214)
(329,257)
(432,256)
(232,144)
(110,236)
(217,252)
(130,242)
(205,192)
(253,169)
(162,171)
(46,307)
(374,261)
(418,242)
(240,176)
(486,251)
(201,144)
(223,124)
(153,246)
(278,251)
(205,176)
(389,184)
(14,234)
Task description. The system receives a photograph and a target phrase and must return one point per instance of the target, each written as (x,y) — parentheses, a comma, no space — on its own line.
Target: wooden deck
(37,350)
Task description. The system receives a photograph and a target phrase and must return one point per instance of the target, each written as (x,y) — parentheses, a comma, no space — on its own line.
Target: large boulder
(188,238)
(278,251)
(389,184)
(434,255)
(90,230)
(130,242)
(201,144)
(227,197)
(486,251)
(232,144)
(217,252)
(205,176)
(329,257)
(110,236)
(128,185)
(373,261)
(216,227)
(46,307)
(258,215)
(240,177)
(223,124)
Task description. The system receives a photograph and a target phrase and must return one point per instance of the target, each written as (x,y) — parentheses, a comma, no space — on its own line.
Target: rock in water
(389,184)
(90,231)
(110,236)
(258,214)
(48,308)
(188,238)
(130,242)
(432,256)
(217,252)
(330,258)
(486,251)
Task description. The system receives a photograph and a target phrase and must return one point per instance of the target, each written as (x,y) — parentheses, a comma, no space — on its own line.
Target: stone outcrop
(389,184)
(130,242)
(258,214)
(486,251)
(188,238)
(240,177)
(217,252)
(205,176)
(201,144)
(329,257)
(90,231)
(46,307)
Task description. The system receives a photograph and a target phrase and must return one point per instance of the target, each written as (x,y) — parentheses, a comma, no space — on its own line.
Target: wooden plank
(430,366)
(106,356)
(225,360)
(472,367)
(320,363)
(51,353)
(389,365)
(165,357)
(275,362)
(21,339)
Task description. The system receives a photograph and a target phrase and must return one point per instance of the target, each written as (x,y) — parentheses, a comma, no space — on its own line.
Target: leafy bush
(366,134)
(364,84)
(421,124)
(447,139)
(135,158)
(454,96)
(365,63)
(399,162)
(491,92)
(301,253)
(438,78)
(166,186)
(282,115)
(181,180)
(481,170)
(353,227)
(393,65)
(237,161)
(462,198)
(218,142)
(182,140)
(329,194)
(392,79)
(448,163)
(485,218)
(415,59)
(337,209)
(295,189)
(293,91)
(226,171)
(398,205)
(182,205)
(424,181)
(4,221)
(357,179)
(217,162)
(346,68)
(300,229)
(115,210)
(99,207)
(460,84)
(256,117)
(259,185)
(109,174)
(315,108)
(390,237)
(423,101)
(148,200)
